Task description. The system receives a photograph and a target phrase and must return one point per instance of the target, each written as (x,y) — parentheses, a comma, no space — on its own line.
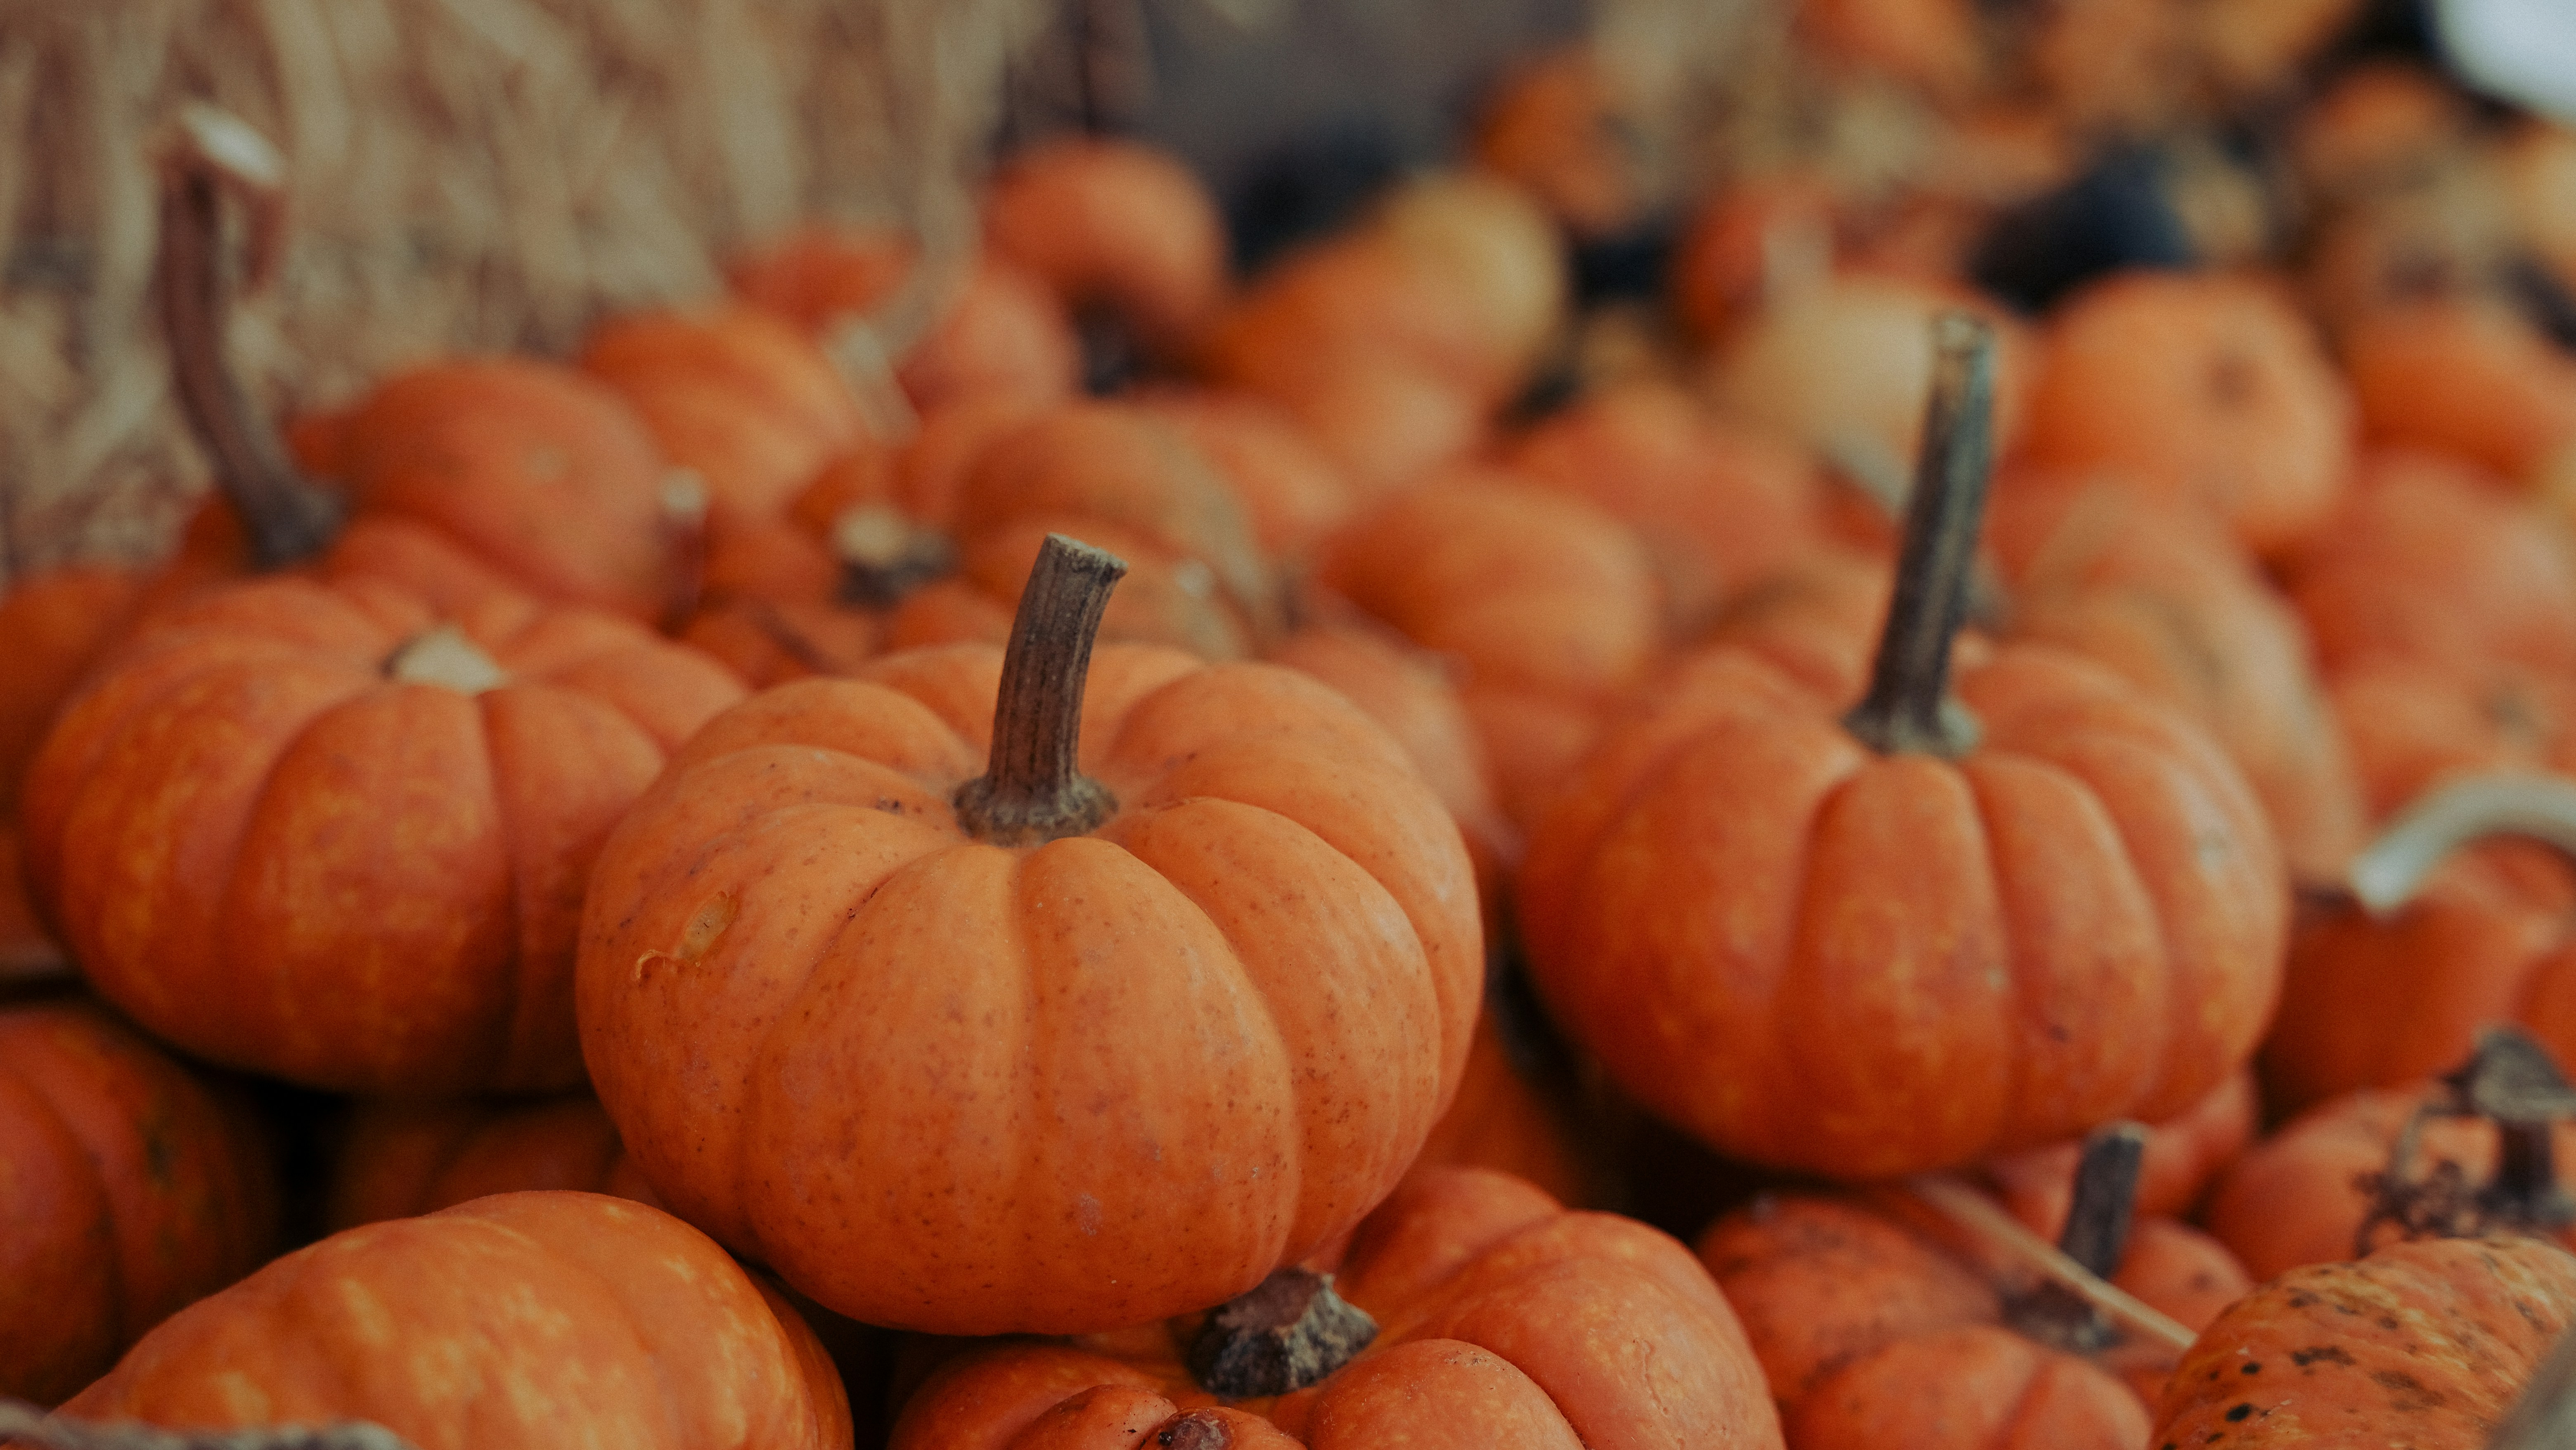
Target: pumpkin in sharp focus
(2459,918)
(1175,1005)
(1870,943)
(1548,603)
(131,1189)
(401,1158)
(1500,1320)
(2175,605)
(319,832)
(1879,1320)
(527,1319)
(2200,386)
(2420,1344)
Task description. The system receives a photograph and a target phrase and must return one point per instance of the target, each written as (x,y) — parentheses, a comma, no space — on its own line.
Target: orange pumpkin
(1890,940)
(1292,491)
(2466,378)
(1231,859)
(318,832)
(640,1331)
(1548,603)
(1113,223)
(2422,1344)
(2175,605)
(1879,1320)
(404,1158)
(1500,1319)
(1559,125)
(2456,1156)
(2416,722)
(2182,1156)
(2203,387)
(132,1190)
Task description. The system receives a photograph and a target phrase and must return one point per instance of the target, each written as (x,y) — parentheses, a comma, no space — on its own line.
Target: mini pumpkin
(320,831)
(1117,224)
(1177,976)
(133,1189)
(527,1319)
(401,1158)
(1498,1319)
(1885,941)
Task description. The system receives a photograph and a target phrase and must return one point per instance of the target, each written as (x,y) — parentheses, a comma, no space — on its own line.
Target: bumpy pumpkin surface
(1502,1321)
(280,833)
(968,1087)
(527,1319)
(128,1188)
(2420,1344)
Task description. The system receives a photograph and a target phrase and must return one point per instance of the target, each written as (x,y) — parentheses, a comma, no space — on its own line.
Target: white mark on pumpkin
(367,1314)
(700,935)
(1086,1215)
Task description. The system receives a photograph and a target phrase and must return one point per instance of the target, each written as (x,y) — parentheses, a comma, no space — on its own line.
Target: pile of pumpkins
(824,873)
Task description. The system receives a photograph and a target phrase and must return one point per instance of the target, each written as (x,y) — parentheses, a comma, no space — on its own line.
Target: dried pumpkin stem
(1286,1334)
(1031,789)
(2387,874)
(2098,1220)
(1980,1215)
(286,519)
(2511,1081)
(27,1425)
(1908,708)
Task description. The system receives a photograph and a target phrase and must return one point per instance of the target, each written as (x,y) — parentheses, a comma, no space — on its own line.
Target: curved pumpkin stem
(1287,1333)
(1031,790)
(2096,1236)
(2388,873)
(286,520)
(1908,708)
(28,1425)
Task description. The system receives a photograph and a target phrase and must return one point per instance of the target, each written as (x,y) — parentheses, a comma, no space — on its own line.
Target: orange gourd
(2201,387)
(1115,224)
(2182,1156)
(2424,1344)
(2390,980)
(1881,1318)
(132,1188)
(1891,940)
(2416,722)
(1500,1319)
(2465,378)
(328,833)
(1293,493)
(529,1319)
(1176,974)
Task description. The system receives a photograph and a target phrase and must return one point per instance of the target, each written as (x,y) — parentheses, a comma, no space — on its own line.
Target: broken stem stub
(1032,790)
(285,519)
(1908,708)
(1287,1333)
(2512,1082)
(2098,1219)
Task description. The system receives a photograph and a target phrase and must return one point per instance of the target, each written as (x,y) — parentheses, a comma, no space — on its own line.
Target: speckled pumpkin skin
(525,1319)
(952,1086)
(1503,1321)
(2424,1345)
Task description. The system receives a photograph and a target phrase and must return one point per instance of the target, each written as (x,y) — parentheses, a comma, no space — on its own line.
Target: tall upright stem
(1908,707)
(285,519)
(1032,789)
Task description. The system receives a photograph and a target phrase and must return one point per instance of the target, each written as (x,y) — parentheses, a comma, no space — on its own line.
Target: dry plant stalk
(466,175)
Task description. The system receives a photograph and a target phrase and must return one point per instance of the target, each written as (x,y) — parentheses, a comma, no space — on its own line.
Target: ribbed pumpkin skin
(277,858)
(1815,957)
(1091,1083)
(2424,1345)
(1503,1321)
(528,1319)
(127,1187)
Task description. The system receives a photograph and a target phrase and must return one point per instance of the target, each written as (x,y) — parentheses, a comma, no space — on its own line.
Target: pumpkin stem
(1031,791)
(1908,708)
(1982,1216)
(1288,1332)
(2388,873)
(2511,1081)
(26,1424)
(285,519)
(2096,1236)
